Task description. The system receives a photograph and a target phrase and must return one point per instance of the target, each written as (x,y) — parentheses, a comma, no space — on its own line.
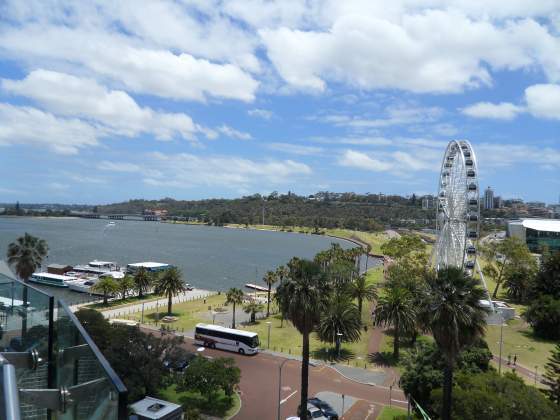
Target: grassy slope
(389,413)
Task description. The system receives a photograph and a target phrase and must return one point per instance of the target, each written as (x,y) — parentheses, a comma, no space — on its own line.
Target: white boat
(82,285)
(49,279)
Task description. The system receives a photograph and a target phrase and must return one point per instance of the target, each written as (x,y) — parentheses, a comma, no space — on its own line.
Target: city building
(428,202)
(488,198)
(498,202)
(536,233)
(155,409)
(50,367)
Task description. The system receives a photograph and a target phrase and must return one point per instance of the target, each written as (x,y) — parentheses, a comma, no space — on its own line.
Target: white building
(488,198)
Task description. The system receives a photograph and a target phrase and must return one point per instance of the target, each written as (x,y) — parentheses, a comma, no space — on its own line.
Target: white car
(312,413)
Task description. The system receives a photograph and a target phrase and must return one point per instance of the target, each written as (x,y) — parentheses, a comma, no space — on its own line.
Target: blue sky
(107,101)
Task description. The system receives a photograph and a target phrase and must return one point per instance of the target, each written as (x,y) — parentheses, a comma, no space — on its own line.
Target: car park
(325,407)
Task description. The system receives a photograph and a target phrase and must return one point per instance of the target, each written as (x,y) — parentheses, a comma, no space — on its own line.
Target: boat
(150,266)
(255,287)
(83,285)
(49,279)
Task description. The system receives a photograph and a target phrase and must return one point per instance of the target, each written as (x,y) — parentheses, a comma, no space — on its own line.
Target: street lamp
(280,385)
(338,340)
(536,368)
(501,341)
(268,340)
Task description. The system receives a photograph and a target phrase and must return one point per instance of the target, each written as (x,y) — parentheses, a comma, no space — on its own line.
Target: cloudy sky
(106,101)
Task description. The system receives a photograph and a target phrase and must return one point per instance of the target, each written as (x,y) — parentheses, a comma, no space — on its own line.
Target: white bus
(217,337)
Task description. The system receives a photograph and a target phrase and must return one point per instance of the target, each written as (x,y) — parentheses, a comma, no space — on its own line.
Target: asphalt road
(259,387)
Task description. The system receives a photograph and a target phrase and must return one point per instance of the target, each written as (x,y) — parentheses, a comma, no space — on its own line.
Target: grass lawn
(222,406)
(386,349)
(130,300)
(518,339)
(189,313)
(389,413)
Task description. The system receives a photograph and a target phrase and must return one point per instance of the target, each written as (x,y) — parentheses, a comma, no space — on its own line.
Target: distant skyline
(103,102)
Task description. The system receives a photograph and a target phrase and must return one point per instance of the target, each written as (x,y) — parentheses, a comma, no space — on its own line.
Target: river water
(212,258)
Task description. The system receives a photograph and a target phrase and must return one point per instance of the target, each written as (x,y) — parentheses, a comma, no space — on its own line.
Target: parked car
(313,412)
(325,407)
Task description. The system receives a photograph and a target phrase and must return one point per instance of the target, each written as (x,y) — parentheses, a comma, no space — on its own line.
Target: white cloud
(372,48)
(69,95)
(26,125)
(501,111)
(186,170)
(506,155)
(295,149)
(260,113)
(128,62)
(235,134)
(354,159)
(543,100)
(106,165)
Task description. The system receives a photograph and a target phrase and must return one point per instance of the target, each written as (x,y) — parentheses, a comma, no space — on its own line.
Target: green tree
(234,296)
(519,282)
(253,308)
(552,376)
(270,278)
(303,297)
(341,316)
(142,281)
(125,285)
(281,273)
(452,313)
(510,255)
(547,281)
(543,314)
(395,308)
(489,396)
(170,284)
(423,369)
(207,377)
(360,290)
(26,255)
(106,286)
(403,246)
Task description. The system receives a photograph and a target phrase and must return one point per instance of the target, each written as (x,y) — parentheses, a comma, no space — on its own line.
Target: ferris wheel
(458,208)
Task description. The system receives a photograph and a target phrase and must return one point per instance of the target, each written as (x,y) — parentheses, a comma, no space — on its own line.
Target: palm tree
(341,316)
(26,255)
(281,273)
(170,284)
(235,297)
(253,308)
(396,308)
(452,313)
(106,286)
(303,297)
(124,285)
(359,289)
(270,278)
(142,281)
(367,251)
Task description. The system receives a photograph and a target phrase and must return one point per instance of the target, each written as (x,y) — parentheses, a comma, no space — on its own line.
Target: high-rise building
(498,202)
(428,202)
(488,198)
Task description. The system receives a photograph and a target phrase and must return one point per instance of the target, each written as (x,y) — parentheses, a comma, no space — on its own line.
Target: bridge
(141,217)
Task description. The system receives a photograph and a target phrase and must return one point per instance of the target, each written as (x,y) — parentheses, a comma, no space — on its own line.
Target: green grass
(189,313)
(130,300)
(222,406)
(518,339)
(389,413)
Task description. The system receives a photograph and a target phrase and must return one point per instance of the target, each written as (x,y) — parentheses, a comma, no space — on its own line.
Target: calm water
(210,257)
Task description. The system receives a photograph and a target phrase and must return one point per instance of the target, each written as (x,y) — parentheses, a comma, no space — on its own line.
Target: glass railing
(60,372)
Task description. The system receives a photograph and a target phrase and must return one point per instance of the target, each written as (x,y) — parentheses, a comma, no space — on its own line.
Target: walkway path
(519,369)
(151,304)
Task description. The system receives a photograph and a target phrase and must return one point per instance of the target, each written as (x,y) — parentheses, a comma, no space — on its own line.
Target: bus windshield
(254,342)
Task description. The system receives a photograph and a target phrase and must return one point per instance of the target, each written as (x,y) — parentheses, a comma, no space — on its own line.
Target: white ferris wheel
(458,208)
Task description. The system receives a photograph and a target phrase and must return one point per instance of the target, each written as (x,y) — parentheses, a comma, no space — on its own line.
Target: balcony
(50,366)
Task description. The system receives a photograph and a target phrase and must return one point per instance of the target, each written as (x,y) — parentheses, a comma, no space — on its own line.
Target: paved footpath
(151,304)
(260,381)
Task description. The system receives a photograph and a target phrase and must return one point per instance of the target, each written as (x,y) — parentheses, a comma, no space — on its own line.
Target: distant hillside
(323,210)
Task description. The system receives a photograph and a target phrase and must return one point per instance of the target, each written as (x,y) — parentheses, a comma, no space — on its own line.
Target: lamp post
(501,341)
(280,385)
(338,340)
(268,339)
(142,319)
(536,368)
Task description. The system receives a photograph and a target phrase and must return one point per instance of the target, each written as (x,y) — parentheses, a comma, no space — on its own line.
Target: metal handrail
(9,406)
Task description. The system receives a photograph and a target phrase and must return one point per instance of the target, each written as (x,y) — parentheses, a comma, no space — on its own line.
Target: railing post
(51,368)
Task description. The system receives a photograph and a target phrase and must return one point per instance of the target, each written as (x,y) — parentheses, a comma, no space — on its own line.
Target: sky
(105,101)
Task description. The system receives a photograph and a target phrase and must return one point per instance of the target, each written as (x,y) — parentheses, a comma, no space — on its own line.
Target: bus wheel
(212,345)
(241,351)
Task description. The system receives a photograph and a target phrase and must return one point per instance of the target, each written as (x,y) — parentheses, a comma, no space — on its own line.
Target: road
(260,379)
